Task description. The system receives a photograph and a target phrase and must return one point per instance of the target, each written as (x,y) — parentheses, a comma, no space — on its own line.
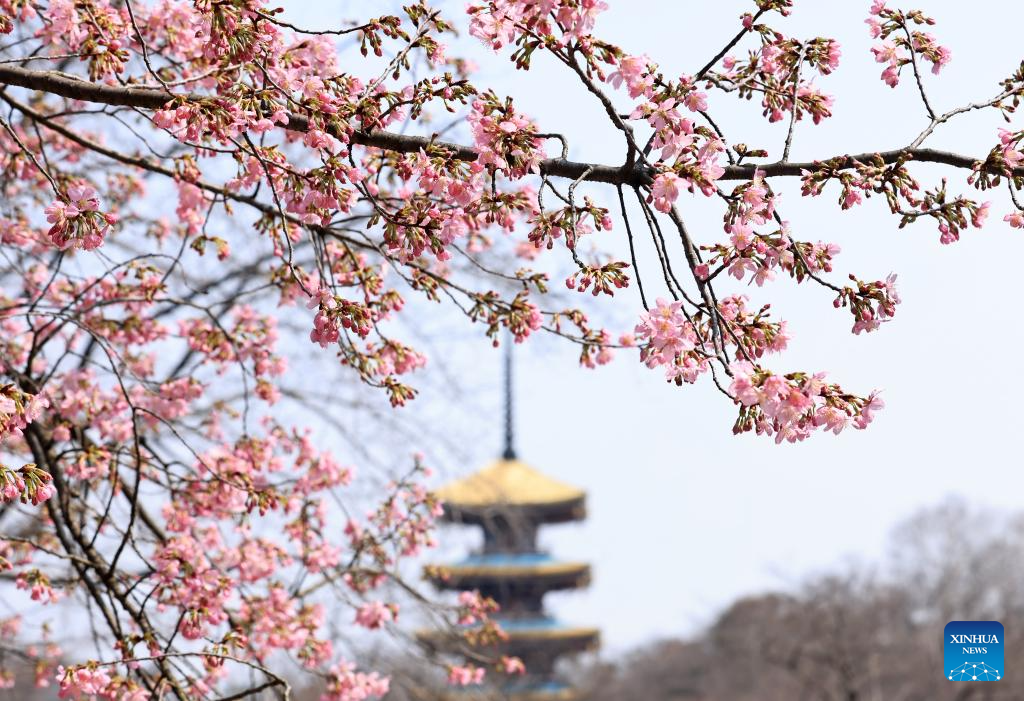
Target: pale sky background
(684,517)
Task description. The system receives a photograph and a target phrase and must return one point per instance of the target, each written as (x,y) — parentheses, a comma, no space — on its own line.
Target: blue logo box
(974,651)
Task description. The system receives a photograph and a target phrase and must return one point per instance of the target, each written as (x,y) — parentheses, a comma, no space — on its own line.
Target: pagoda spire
(510,451)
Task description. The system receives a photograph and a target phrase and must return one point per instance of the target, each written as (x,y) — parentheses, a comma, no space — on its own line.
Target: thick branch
(151,98)
(923,155)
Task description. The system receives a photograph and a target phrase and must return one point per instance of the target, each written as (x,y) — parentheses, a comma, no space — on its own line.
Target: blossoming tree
(183,181)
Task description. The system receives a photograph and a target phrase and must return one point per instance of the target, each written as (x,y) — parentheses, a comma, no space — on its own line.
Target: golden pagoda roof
(551,569)
(584,634)
(509,483)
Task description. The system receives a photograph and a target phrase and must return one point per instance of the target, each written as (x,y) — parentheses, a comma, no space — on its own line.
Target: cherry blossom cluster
(346,683)
(901,45)
(758,254)
(667,338)
(76,219)
(520,317)
(101,34)
(749,251)
(17,410)
(505,139)
(903,194)
(571,221)
(251,339)
(871,303)
(501,24)
(95,682)
(465,675)
(791,406)
(605,278)
(480,631)
(28,483)
(695,154)
(775,74)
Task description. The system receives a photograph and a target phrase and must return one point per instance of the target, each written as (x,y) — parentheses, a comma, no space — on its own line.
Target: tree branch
(152,98)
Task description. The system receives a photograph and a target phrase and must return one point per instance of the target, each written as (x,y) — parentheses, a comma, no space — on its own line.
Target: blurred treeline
(861,633)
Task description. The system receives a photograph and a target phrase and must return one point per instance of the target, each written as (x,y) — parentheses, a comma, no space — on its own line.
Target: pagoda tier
(538,641)
(508,494)
(513,576)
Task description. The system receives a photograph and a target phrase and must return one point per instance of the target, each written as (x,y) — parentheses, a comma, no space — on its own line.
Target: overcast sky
(684,517)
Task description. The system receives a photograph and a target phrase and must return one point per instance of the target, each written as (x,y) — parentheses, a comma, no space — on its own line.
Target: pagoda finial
(510,451)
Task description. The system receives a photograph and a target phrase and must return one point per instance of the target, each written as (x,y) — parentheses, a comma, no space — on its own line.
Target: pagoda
(510,501)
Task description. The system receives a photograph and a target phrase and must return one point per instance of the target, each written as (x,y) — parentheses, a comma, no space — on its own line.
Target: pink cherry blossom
(665,191)
(465,675)
(375,614)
